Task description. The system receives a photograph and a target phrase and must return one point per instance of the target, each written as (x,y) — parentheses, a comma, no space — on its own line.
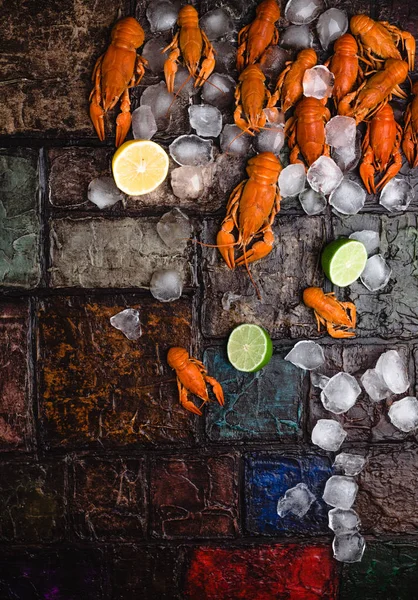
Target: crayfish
(192,377)
(191,43)
(117,70)
(335,315)
(289,84)
(255,38)
(344,65)
(306,130)
(410,140)
(251,97)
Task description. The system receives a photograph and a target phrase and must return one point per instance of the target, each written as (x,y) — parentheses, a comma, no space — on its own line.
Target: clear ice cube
(375,386)
(190,182)
(162,16)
(274,116)
(306,355)
(343,521)
(340,393)
(324,175)
(348,547)
(166,285)
(340,491)
(216,23)
(174,228)
(328,435)
(205,119)
(376,273)
(219,91)
(292,180)
(161,101)
(184,86)
(331,25)
(127,321)
(403,414)
(340,131)
(235,141)
(152,51)
(369,238)
(349,464)
(273,61)
(297,37)
(312,202)
(191,151)
(226,55)
(347,157)
(297,500)
(392,369)
(348,198)
(144,126)
(397,195)
(270,139)
(318,82)
(302,12)
(103,192)
(319,380)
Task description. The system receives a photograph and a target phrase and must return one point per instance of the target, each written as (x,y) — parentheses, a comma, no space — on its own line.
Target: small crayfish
(117,70)
(335,315)
(192,44)
(251,97)
(410,140)
(344,65)
(306,130)
(192,378)
(380,149)
(255,38)
(289,84)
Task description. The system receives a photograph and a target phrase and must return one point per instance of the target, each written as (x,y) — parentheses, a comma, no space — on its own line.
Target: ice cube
(302,12)
(274,116)
(270,139)
(162,15)
(324,175)
(347,157)
(393,370)
(127,321)
(273,61)
(375,385)
(297,500)
(160,100)
(190,182)
(103,192)
(328,435)
(340,393)
(319,380)
(312,202)
(235,141)
(397,195)
(229,298)
(206,119)
(376,273)
(348,547)
(216,23)
(340,491)
(369,238)
(184,84)
(297,37)
(191,151)
(219,90)
(143,123)
(152,51)
(343,521)
(404,414)
(174,229)
(166,285)
(318,82)
(306,355)
(226,55)
(349,464)
(348,198)
(331,25)
(340,131)
(292,180)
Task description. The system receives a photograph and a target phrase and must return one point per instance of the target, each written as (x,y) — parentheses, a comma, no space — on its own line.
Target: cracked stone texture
(98,387)
(31,502)
(387,570)
(281,276)
(19,220)
(108,501)
(262,572)
(266,480)
(16,426)
(388,495)
(366,421)
(196,497)
(258,406)
(124,252)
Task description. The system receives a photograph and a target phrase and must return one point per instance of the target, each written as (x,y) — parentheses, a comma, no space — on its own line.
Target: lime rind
(343,261)
(258,351)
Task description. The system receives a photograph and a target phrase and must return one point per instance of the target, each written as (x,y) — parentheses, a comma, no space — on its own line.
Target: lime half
(343,261)
(249,348)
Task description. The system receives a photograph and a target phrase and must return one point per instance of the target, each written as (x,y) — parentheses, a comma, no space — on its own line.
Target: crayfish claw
(217,389)
(123,123)
(97,116)
(226,245)
(187,404)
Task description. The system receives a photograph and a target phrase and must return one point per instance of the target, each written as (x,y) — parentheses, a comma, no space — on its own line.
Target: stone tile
(97,387)
(108,500)
(31,502)
(281,276)
(366,421)
(388,493)
(98,252)
(387,570)
(300,572)
(266,480)
(19,220)
(266,405)
(194,497)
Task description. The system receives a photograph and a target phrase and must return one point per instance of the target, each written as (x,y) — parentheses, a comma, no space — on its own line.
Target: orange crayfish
(289,84)
(344,65)
(251,97)
(335,315)
(375,92)
(117,70)
(192,377)
(410,140)
(381,38)
(255,38)
(381,149)
(192,44)
(306,130)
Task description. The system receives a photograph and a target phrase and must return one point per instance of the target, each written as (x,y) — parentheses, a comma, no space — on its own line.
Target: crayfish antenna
(211,245)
